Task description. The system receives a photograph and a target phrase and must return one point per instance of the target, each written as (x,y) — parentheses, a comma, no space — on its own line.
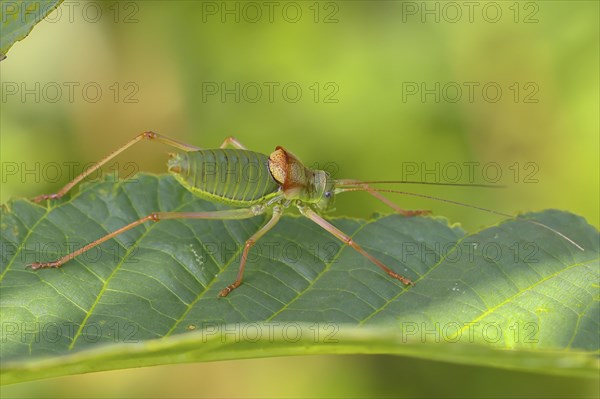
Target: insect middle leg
(312,215)
(383,199)
(232,141)
(142,136)
(277,212)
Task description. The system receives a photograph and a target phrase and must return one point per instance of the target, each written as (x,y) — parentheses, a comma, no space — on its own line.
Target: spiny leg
(155,217)
(312,215)
(277,212)
(232,141)
(142,136)
(383,199)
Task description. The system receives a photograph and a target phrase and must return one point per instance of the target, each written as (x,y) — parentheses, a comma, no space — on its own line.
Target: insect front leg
(142,136)
(312,215)
(383,199)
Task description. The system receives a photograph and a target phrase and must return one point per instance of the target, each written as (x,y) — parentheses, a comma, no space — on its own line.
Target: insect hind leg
(230,214)
(148,135)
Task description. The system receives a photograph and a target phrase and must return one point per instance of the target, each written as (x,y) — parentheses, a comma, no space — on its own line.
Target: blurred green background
(367,89)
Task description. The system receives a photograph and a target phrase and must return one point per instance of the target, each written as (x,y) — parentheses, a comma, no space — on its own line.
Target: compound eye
(327,194)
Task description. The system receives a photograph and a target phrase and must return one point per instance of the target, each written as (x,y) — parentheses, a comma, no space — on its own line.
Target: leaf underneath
(515,286)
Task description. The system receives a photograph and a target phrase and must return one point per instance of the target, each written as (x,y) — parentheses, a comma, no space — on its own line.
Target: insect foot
(42,265)
(225,291)
(404,280)
(417,212)
(44,197)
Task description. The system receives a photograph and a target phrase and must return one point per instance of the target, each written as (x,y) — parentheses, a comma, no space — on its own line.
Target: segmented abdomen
(237,177)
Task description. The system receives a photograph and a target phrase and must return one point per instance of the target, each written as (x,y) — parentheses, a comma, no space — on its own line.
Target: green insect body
(235,177)
(243,178)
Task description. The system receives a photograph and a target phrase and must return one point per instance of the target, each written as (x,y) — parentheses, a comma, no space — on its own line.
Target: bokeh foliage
(167,51)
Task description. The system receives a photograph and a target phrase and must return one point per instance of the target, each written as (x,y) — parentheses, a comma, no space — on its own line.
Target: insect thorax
(299,182)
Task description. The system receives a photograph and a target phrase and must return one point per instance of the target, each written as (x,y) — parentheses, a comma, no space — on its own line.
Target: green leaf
(19,18)
(516,295)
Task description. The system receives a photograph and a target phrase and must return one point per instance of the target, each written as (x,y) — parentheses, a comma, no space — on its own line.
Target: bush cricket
(254,184)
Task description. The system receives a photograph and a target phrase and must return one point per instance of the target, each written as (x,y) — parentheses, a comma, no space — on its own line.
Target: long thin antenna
(347,189)
(353,183)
